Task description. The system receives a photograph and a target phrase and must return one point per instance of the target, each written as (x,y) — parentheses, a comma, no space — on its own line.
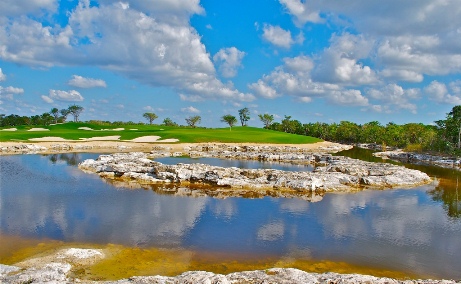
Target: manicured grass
(184,134)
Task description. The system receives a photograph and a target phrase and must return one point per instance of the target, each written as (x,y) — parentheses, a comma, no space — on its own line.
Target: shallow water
(417,231)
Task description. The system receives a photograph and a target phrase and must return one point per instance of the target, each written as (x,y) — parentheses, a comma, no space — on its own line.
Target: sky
(314,60)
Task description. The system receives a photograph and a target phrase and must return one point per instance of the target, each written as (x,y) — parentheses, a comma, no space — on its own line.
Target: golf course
(78,131)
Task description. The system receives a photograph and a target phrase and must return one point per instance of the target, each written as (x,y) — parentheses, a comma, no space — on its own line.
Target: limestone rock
(337,174)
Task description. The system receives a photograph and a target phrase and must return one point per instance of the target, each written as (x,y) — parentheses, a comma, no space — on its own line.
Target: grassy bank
(184,134)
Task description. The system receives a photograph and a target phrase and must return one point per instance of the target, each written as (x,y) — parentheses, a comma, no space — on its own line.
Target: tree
(450,128)
(266,119)
(229,119)
(193,120)
(244,115)
(75,110)
(168,122)
(150,116)
(55,113)
(64,113)
(372,132)
(46,118)
(347,132)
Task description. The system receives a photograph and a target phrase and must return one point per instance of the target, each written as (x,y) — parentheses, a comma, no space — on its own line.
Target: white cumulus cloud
(278,36)
(8,92)
(229,60)
(82,82)
(2,76)
(190,109)
(393,96)
(301,11)
(262,89)
(151,42)
(47,99)
(20,7)
(66,96)
(440,93)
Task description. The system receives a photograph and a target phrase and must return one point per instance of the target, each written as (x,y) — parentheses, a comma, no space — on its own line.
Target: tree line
(443,136)
(53,116)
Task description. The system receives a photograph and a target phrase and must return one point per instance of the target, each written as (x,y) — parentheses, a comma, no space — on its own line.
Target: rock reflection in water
(402,229)
(72,159)
(196,190)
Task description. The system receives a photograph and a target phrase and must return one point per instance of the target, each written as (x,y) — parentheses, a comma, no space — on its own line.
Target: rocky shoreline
(418,158)
(332,173)
(11,148)
(58,268)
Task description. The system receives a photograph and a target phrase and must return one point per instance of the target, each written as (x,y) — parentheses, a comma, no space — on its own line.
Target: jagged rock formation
(57,273)
(56,148)
(333,173)
(410,157)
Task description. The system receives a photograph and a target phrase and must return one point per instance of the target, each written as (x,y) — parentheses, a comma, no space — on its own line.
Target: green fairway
(184,134)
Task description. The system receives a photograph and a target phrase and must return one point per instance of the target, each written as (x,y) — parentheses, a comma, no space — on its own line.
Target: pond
(399,232)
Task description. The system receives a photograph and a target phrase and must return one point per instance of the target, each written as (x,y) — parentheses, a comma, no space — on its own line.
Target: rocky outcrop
(333,173)
(23,149)
(274,275)
(217,147)
(374,146)
(58,273)
(56,148)
(285,154)
(418,158)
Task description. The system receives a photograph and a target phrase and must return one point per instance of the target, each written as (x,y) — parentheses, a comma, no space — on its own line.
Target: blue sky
(315,60)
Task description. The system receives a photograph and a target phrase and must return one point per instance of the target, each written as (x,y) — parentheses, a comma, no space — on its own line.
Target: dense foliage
(444,136)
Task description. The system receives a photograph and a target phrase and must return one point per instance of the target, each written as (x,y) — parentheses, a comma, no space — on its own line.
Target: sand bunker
(38,129)
(143,139)
(103,138)
(9,129)
(153,139)
(49,139)
(105,129)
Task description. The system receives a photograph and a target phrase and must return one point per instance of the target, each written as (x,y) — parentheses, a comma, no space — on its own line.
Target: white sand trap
(153,139)
(9,129)
(103,138)
(48,139)
(146,139)
(38,129)
(171,140)
(85,128)
(113,129)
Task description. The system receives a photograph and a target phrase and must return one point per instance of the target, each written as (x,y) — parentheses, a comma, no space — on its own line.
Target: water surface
(412,230)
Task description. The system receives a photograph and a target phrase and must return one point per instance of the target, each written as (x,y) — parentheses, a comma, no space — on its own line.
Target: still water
(417,231)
